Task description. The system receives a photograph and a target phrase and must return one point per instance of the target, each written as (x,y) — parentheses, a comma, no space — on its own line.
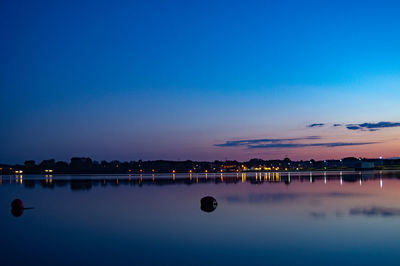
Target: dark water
(265,219)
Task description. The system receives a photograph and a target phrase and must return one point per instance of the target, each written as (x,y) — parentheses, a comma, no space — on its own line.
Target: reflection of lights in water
(341,180)
(206,176)
(310,177)
(289,177)
(190,177)
(277,176)
(173,177)
(243,177)
(222,178)
(360,182)
(381,183)
(324,179)
(152,177)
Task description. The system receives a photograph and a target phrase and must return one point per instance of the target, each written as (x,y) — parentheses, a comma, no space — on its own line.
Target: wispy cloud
(287,143)
(362,126)
(302,145)
(372,126)
(245,142)
(351,127)
(316,125)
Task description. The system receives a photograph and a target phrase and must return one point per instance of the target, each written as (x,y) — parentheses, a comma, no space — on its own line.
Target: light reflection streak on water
(245,177)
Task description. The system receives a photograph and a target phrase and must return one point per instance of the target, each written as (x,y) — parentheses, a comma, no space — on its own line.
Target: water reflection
(83,183)
(375,211)
(243,217)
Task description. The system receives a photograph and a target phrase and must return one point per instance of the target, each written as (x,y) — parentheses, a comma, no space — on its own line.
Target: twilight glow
(200,80)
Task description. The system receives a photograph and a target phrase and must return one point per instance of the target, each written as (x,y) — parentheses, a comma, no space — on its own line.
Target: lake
(318,218)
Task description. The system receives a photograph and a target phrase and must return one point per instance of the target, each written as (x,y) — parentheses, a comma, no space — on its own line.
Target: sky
(199,80)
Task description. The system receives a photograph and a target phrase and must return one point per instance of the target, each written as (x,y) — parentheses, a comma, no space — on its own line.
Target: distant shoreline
(87,166)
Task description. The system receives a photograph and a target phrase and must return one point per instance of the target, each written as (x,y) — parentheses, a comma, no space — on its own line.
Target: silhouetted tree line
(85,165)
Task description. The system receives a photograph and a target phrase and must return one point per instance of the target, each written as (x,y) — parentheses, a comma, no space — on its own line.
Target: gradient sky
(133,80)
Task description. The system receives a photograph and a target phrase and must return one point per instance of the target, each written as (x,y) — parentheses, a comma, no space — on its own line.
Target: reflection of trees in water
(86,184)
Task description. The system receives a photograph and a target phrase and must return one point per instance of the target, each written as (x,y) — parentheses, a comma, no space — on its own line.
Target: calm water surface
(347,218)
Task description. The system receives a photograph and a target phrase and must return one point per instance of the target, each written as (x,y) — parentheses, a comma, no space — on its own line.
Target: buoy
(208,204)
(17,204)
(17,212)
(17,207)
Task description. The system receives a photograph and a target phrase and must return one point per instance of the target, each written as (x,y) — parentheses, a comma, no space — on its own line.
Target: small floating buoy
(208,204)
(17,204)
(17,207)
(17,212)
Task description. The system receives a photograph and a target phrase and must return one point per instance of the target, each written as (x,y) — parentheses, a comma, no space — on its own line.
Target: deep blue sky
(170,79)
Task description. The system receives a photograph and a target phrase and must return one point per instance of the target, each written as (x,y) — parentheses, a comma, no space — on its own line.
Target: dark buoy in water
(17,204)
(17,207)
(17,212)
(208,204)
